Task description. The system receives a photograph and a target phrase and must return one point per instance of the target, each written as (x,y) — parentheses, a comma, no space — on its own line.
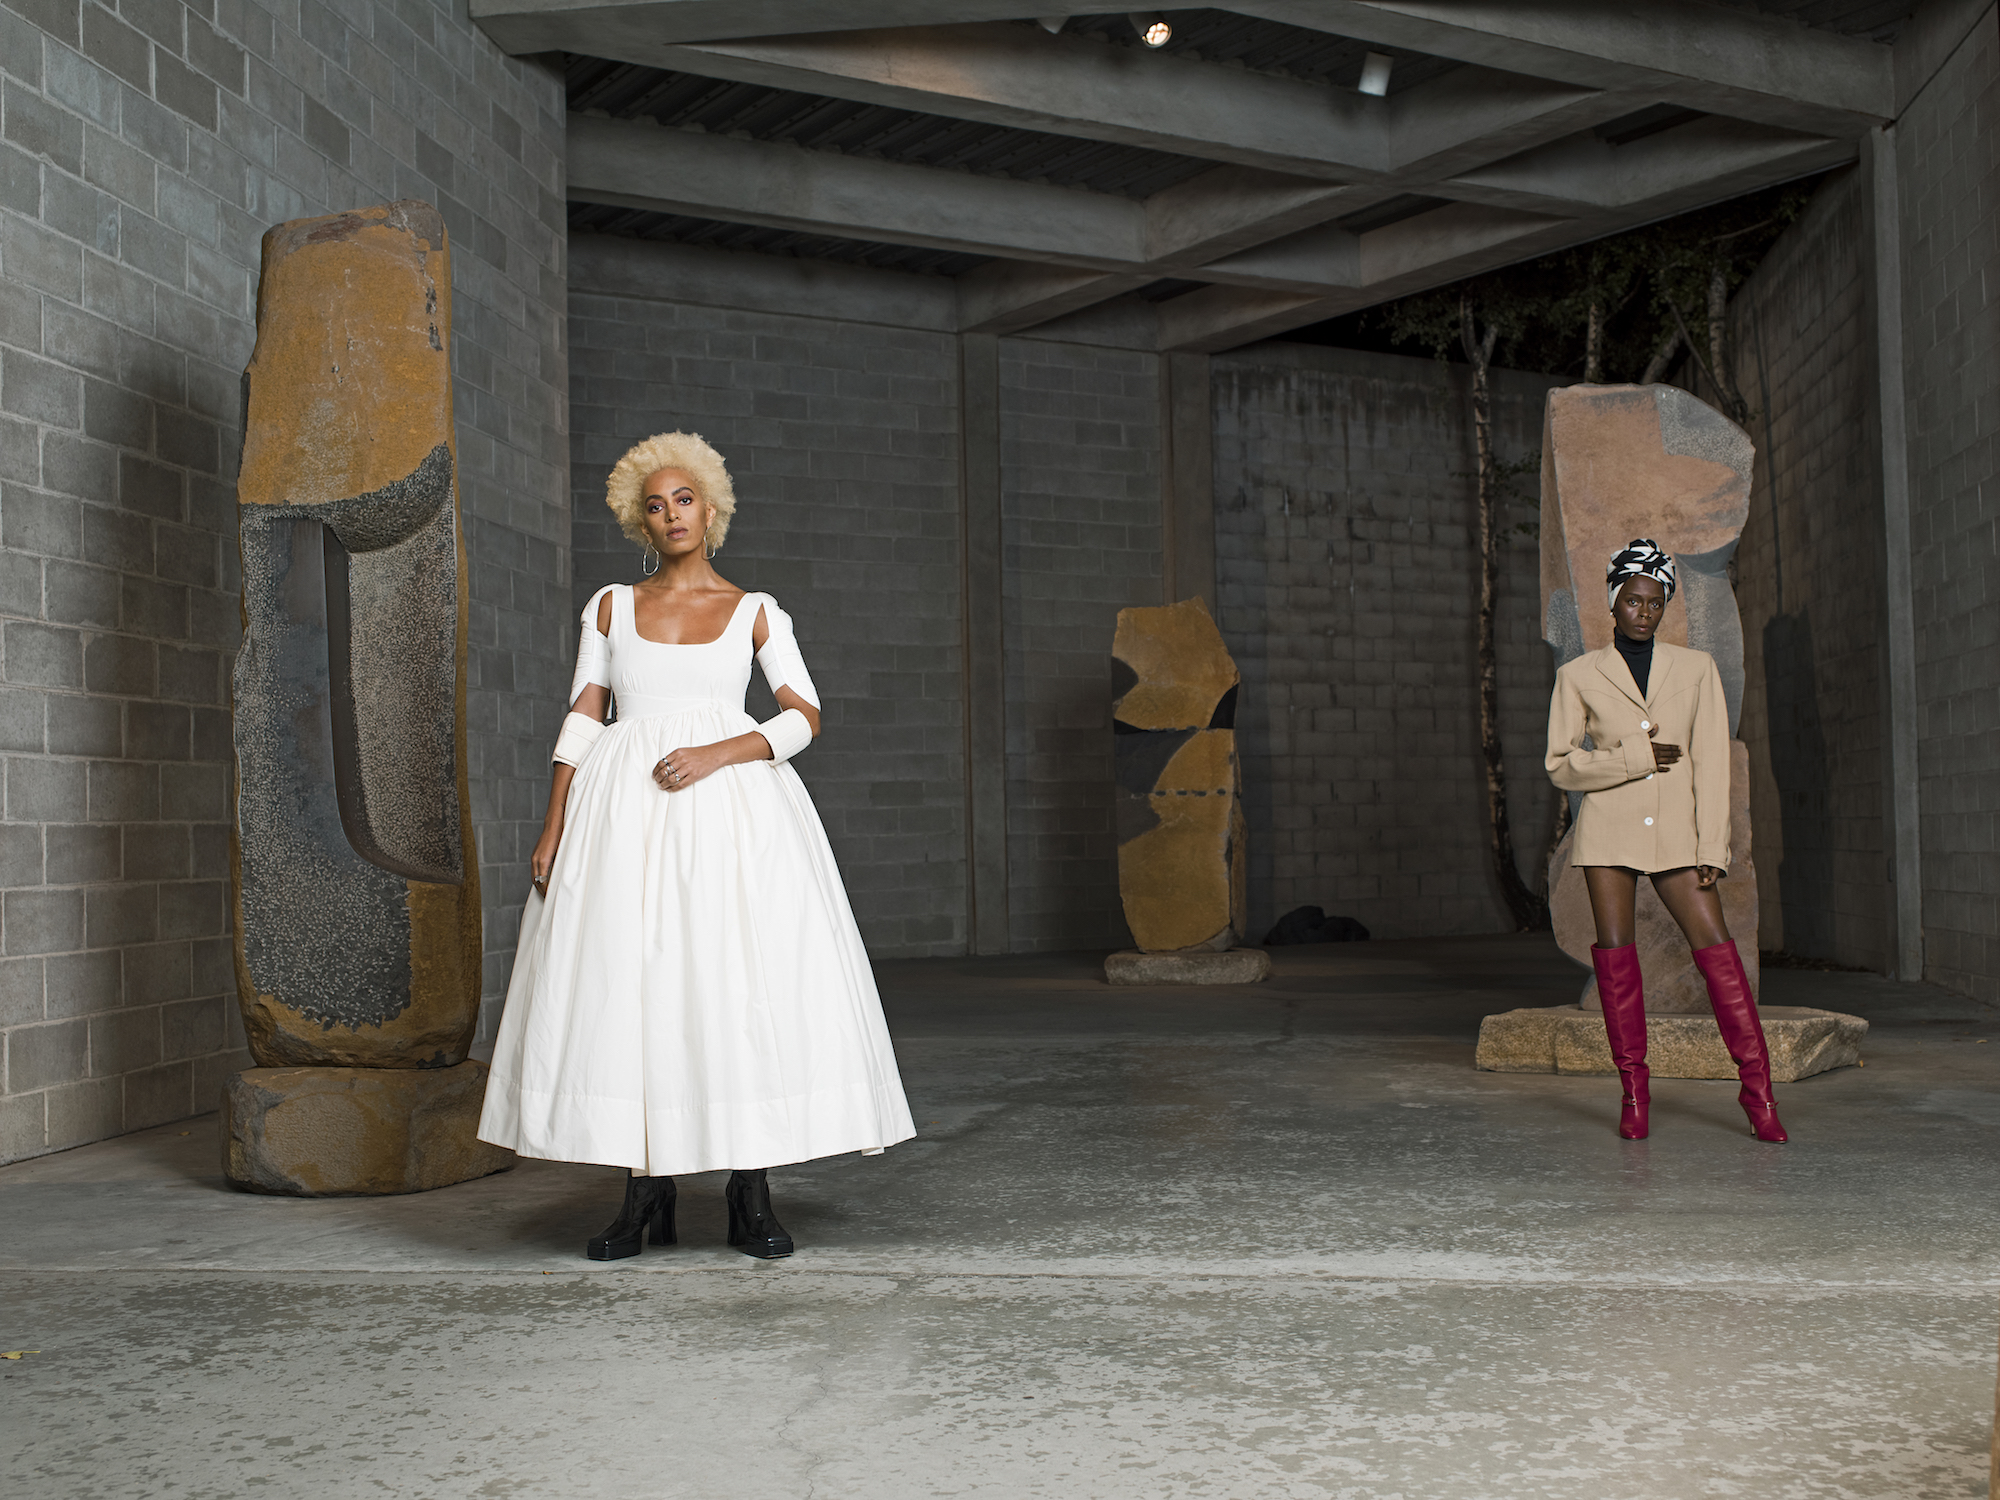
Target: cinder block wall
(1346,542)
(1949,160)
(842,440)
(1809,581)
(1081,522)
(143,152)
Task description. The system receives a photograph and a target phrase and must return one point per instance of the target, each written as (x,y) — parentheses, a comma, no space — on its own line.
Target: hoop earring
(708,556)
(655,556)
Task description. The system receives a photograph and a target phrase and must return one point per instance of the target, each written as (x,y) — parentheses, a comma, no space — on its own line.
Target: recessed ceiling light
(1375,73)
(1152,27)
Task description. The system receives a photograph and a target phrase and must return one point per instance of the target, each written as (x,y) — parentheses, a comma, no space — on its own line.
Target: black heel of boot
(646,1199)
(663,1217)
(753,1228)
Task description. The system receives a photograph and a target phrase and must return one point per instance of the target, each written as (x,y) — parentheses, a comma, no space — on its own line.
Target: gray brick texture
(144,150)
(1949,163)
(842,441)
(1347,553)
(1081,538)
(1809,581)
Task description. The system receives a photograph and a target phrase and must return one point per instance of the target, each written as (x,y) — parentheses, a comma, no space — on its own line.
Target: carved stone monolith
(1618,462)
(355,882)
(1182,857)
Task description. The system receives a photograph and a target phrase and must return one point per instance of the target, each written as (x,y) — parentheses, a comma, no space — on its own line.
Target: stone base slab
(1569,1039)
(335,1132)
(1232,966)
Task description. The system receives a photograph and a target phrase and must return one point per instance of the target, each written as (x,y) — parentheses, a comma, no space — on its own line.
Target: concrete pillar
(1900,805)
(1187,481)
(985,644)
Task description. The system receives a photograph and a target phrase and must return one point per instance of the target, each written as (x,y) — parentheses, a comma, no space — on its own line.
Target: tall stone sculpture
(1618,462)
(355,881)
(1182,858)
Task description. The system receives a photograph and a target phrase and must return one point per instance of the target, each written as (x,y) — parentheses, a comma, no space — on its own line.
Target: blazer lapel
(1611,667)
(1664,657)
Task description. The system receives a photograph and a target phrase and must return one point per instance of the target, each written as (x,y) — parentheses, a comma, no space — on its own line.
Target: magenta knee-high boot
(1623,991)
(1743,1034)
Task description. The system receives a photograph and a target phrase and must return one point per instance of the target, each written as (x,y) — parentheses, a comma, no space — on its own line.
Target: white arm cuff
(787,734)
(780,659)
(591,666)
(593,652)
(579,733)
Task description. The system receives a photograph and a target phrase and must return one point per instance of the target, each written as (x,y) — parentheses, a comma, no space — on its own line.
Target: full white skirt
(692,994)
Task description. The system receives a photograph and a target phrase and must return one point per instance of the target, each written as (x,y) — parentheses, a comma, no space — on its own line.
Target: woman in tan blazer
(1641,729)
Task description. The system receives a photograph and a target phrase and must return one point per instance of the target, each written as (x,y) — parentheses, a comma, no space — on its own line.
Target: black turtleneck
(1638,658)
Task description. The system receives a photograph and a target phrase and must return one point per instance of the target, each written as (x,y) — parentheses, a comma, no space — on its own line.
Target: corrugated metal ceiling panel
(626,91)
(1266,46)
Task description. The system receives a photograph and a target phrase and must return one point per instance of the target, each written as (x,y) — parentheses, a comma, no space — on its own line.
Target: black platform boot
(753,1228)
(648,1200)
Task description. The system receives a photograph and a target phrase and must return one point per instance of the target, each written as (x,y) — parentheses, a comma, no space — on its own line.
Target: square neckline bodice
(631,604)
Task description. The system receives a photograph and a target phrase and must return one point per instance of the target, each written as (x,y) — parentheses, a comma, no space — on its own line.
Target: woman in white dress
(690,991)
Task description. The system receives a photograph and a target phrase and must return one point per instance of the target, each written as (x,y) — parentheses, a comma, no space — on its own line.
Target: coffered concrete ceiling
(1233,184)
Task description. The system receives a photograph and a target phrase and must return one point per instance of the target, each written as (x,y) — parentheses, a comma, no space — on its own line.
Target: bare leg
(1612,891)
(1698,911)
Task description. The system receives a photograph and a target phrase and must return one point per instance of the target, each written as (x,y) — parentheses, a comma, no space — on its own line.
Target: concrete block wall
(144,149)
(1081,538)
(1809,580)
(1948,156)
(1347,553)
(842,440)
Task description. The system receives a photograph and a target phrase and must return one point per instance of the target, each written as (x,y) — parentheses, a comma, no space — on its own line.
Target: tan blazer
(1632,815)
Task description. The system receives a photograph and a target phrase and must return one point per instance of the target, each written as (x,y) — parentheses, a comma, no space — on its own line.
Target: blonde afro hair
(625,490)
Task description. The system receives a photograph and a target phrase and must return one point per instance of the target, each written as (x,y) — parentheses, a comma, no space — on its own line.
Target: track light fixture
(1052,24)
(1375,73)
(1152,27)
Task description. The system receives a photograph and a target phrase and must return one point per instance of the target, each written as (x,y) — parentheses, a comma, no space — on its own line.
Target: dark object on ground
(1778,958)
(1311,924)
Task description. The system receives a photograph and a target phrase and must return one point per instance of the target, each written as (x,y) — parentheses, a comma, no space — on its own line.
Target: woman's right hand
(545,856)
(1664,756)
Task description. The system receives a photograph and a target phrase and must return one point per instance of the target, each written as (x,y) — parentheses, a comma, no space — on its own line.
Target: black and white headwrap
(1640,557)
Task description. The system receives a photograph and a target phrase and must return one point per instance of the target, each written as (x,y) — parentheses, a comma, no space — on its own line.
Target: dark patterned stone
(357,905)
(1182,863)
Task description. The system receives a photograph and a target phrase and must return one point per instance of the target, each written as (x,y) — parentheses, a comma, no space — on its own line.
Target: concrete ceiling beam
(1023,78)
(522,27)
(1688,52)
(1010,296)
(1709,157)
(1234,208)
(643,165)
(1427,245)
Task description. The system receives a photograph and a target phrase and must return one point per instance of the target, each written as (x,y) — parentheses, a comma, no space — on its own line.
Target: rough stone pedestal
(328,1132)
(1568,1039)
(1230,966)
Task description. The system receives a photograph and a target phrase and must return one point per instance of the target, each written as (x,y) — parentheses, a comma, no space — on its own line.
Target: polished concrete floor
(1283,1242)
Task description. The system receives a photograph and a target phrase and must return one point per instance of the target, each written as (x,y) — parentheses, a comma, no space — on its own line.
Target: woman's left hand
(681,769)
(1705,876)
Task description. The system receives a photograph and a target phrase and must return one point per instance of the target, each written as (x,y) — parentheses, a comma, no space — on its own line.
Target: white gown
(692,994)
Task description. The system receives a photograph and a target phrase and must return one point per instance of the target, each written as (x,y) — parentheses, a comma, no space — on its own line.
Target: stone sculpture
(1182,868)
(1620,461)
(355,881)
